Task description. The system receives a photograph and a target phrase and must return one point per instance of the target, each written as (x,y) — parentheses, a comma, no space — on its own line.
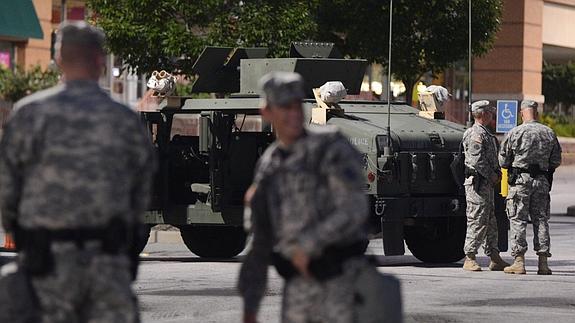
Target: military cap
(480,105)
(528,104)
(281,88)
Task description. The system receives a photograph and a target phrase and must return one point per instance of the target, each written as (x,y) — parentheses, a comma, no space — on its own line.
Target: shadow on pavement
(191,259)
(408,260)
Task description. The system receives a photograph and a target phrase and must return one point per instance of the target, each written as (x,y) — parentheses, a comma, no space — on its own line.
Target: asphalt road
(175,286)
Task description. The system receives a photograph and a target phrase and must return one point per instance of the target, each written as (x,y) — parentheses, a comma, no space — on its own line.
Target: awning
(18,19)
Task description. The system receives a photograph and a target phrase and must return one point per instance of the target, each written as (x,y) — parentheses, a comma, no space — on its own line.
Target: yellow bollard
(504,184)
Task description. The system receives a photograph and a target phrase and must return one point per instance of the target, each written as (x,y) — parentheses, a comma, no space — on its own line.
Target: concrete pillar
(512,70)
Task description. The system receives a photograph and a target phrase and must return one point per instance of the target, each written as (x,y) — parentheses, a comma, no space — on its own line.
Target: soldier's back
(532,144)
(81,149)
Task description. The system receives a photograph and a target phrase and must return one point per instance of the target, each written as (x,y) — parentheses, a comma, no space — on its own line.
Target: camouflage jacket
(308,196)
(480,148)
(72,157)
(528,144)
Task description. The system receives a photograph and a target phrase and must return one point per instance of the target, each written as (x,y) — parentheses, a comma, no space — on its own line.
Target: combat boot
(497,264)
(543,267)
(518,266)
(470,264)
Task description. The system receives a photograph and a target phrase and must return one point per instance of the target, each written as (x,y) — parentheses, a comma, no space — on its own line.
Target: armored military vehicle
(204,173)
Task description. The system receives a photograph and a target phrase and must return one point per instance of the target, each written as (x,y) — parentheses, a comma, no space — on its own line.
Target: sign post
(506,115)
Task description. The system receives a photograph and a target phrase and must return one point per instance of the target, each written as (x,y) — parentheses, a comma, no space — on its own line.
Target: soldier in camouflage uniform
(531,152)
(306,202)
(72,160)
(482,173)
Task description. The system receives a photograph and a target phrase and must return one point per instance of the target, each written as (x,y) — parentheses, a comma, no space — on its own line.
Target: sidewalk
(568,148)
(562,195)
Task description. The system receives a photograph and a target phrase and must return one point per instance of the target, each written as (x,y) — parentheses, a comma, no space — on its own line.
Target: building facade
(532,31)
(25,28)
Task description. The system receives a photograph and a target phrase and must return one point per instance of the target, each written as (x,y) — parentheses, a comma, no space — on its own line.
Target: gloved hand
(250,317)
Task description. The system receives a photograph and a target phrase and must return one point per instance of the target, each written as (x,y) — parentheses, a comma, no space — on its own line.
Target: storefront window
(6,54)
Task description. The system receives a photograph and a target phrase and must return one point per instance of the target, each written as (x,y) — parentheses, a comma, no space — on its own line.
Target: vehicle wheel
(214,241)
(437,240)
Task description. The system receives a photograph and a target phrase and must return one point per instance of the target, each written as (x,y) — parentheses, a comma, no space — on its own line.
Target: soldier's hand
(300,260)
(250,317)
(249,194)
(496,178)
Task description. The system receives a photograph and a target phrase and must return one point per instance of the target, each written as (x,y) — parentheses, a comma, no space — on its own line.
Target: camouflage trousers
(529,198)
(481,221)
(86,286)
(312,301)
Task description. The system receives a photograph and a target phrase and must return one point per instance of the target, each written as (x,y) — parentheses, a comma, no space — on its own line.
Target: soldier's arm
(555,158)
(252,279)
(505,153)
(15,150)
(476,154)
(145,164)
(342,167)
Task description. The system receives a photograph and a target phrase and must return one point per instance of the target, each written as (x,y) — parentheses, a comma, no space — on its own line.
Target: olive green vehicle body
(413,195)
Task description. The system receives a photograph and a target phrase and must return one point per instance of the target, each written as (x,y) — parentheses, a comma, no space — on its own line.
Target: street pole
(388,129)
(470,67)
(63,12)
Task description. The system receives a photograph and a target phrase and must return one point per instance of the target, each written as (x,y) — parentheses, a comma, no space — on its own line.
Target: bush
(563,126)
(14,85)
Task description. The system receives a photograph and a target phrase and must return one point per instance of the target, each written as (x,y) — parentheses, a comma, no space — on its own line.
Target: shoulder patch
(477,138)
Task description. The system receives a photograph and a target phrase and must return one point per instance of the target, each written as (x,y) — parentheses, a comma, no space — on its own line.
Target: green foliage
(150,34)
(17,84)
(562,126)
(428,35)
(260,23)
(169,34)
(559,83)
(185,89)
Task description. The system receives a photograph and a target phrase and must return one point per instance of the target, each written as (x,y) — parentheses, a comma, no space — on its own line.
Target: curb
(571,210)
(165,237)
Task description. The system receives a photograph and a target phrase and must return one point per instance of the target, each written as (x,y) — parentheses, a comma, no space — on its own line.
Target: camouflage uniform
(313,198)
(530,144)
(71,157)
(480,148)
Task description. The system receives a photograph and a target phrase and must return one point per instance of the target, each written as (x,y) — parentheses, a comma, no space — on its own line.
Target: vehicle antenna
(469,57)
(388,129)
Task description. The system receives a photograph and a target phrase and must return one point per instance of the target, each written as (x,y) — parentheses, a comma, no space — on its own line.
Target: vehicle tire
(437,240)
(214,241)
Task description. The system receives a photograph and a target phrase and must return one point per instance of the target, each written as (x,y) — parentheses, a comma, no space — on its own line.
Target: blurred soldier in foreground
(482,174)
(75,176)
(308,213)
(531,152)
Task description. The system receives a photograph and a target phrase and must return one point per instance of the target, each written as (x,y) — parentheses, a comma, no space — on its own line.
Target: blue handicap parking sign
(506,115)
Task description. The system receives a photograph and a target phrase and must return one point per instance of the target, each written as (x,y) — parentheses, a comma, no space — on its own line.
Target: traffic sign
(506,115)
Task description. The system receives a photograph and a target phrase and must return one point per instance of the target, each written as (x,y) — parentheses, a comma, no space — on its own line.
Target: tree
(428,35)
(272,24)
(14,85)
(559,83)
(170,34)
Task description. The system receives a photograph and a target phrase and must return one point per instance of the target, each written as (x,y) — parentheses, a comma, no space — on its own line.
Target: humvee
(204,172)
